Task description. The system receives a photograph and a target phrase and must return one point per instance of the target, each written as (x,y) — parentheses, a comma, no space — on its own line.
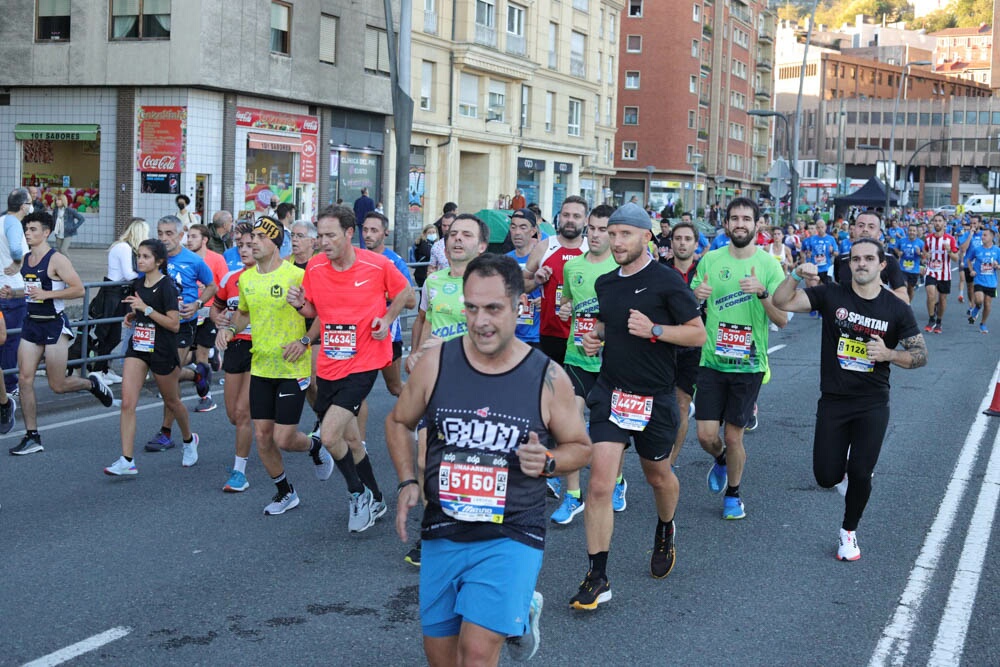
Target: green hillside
(834,13)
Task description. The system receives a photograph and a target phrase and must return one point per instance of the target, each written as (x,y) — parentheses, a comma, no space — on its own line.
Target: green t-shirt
(736,323)
(273,321)
(579,276)
(444,304)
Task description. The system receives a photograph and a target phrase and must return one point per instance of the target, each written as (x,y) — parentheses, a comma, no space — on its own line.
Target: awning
(53,132)
(274,142)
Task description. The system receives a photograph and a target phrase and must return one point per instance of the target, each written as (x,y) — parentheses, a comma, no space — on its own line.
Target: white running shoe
(190,456)
(282,503)
(110,377)
(379,508)
(121,467)
(848,549)
(523,648)
(361,517)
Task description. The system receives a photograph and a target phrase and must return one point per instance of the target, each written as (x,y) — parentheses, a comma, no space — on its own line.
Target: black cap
(527,214)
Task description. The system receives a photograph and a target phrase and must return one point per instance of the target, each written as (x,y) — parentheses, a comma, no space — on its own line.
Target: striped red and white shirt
(938,262)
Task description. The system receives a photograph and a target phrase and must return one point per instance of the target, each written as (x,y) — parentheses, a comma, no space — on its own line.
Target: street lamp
(696,161)
(885,174)
(793,198)
(892,128)
(650,170)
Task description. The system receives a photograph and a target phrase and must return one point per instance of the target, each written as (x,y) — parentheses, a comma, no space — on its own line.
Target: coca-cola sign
(263,119)
(161,139)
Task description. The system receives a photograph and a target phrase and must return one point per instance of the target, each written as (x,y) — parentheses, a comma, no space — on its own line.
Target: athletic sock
(33,434)
(574,493)
(165,430)
(367,475)
(721,458)
(620,479)
(599,564)
(733,491)
(127,458)
(350,472)
(188,441)
(664,528)
(284,488)
(240,464)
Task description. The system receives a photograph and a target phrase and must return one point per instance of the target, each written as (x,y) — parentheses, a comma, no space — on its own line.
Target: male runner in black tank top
(491,403)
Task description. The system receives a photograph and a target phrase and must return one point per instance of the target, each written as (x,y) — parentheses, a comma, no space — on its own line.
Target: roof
(964,32)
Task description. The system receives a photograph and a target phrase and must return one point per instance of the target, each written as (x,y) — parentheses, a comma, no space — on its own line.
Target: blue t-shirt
(187,270)
(528,319)
(232,257)
(845,246)
(909,254)
(286,245)
(702,244)
(396,329)
(14,231)
(977,241)
(822,249)
(985,262)
(721,240)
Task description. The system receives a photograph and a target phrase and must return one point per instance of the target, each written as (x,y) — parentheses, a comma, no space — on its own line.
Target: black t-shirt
(662,245)
(636,364)
(891,275)
(163,298)
(849,321)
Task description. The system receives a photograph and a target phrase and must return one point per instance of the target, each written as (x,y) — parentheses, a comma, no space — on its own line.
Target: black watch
(763,295)
(305,341)
(549,470)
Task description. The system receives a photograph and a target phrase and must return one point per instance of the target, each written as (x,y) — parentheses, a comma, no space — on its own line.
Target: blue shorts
(488,583)
(47,332)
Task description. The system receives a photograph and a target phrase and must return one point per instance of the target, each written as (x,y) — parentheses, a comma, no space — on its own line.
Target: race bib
(340,341)
(144,338)
(30,286)
(630,411)
(526,314)
(734,340)
(934,265)
(819,259)
(473,486)
(558,298)
(909,264)
(584,325)
(853,355)
(986,269)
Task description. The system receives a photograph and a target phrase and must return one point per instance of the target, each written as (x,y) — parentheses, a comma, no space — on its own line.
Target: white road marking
(954,624)
(775,348)
(79,648)
(895,641)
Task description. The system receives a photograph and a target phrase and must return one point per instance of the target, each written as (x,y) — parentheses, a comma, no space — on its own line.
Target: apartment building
(512,95)
(125,105)
(966,53)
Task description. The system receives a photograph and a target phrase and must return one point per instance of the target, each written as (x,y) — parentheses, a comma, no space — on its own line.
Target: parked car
(947,210)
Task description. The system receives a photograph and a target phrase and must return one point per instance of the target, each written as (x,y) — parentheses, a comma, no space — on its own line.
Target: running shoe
(752,426)
(361,517)
(413,555)
(202,378)
(732,508)
(553,486)
(282,503)
(569,508)
(215,360)
(321,459)
(523,648)
(664,554)
(717,478)
(593,591)
(190,452)
(842,486)
(100,390)
(8,416)
(930,327)
(937,327)
(961,298)
(973,314)
(379,508)
(205,404)
(109,377)
(983,329)
(618,503)
(848,549)
(691,410)
(121,467)
(15,392)
(160,442)
(29,445)
(237,482)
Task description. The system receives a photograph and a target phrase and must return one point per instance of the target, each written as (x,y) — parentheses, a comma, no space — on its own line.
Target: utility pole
(794,201)
(402,113)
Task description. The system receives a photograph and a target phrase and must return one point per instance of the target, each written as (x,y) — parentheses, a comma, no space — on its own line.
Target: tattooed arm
(913,354)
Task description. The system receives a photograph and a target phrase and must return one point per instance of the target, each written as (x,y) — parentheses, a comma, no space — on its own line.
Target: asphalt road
(199,577)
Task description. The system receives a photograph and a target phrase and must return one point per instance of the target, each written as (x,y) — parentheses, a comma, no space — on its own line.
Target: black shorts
(46,332)
(397,349)
(968,275)
(687,369)
(186,334)
(583,380)
(347,392)
(277,399)
(654,442)
(236,360)
(160,364)
(727,397)
(987,291)
(554,347)
(912,279)
(943,286)
(204,335)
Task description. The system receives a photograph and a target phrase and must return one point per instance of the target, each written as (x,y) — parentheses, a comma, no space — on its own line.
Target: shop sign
(563,167)
(56,132)
(308,159)
(530,164)
(161,141)
(261,119)
(161,183)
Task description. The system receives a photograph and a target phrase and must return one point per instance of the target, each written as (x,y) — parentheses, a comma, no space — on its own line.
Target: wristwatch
(148,311)
(763,295)
(304,340)
(549,469)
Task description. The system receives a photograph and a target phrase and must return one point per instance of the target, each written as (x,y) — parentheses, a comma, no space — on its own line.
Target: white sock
(240,464)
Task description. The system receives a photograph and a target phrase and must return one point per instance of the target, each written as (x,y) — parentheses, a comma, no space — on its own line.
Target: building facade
(124,106)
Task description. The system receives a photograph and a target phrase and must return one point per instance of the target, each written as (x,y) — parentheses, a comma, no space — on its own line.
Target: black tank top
(475,422)
(38,276)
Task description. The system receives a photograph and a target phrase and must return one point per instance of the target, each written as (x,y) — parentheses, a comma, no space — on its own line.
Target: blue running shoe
(160,442)
(569,508)
(717,478)
(618,499)
(202,378)
(983,329)
(237,482)
(732,508)
(554,486)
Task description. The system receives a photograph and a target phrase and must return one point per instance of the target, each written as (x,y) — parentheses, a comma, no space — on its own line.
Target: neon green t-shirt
(736,323)
(579,276)
(273,321)
(444,303)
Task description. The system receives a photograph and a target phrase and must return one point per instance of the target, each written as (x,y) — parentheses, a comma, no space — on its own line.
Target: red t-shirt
(347,302)
(219,269)
(229,291)
(555,257)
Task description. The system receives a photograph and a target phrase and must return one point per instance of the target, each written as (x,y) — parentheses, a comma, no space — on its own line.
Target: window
(600,25)
(575,114)
(633,43)
(611,69)
(485,13)
(690,154)
(693,84)
(635,8)
(735,162)
(515,20)
(600,61)
(630,116)
(497,102)
(691,118)
(426,84)
(550,103)
(737,131)
(632,80)
(141,19)
(739,69)
(281,28)
(577,47)
(696,13)
(612,33)
(597,109)
(582,5)
(376,51)
(694,48)
(328,39)
(607,110)
(629,150)
(53,20)
(468,95)
(608,157)
(525,105)
(737,100)
(553,45)
(428,5)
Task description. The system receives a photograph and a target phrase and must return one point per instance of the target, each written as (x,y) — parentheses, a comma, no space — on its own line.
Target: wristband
(795,274)
(233,329)
(405,483)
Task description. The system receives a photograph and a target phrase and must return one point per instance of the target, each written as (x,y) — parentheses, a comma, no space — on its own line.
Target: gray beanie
(631,214)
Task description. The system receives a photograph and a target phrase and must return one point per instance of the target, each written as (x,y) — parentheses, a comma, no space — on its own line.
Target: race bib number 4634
(340,341)
(473,486)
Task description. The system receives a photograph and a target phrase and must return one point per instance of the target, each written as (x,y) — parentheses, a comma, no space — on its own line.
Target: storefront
(62,159)
(528,176)
(280,159)
(351,171)
(560,181)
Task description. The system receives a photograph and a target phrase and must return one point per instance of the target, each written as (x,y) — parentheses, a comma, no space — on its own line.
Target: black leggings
(858,425)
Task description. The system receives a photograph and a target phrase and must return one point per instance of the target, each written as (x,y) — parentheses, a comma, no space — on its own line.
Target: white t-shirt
(120,262)
(15,281)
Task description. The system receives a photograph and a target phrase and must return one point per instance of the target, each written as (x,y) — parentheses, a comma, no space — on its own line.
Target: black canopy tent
(871,194)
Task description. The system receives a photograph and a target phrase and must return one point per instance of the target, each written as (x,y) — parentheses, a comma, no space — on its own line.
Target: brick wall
(124,158)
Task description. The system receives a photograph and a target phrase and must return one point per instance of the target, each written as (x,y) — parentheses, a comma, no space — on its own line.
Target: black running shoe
(413,555)
(664,554)
(593,591)
(29,445)
(100,390)
(7,415)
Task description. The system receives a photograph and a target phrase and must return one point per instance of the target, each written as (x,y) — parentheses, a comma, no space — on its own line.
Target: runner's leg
(133,376)
(28,356)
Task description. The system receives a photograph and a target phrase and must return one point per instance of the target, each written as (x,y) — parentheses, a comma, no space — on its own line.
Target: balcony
(760,150)
(430,23)
(762,94)
(517,45)
(704,100)
(577,67)
(765,35)
(760,121)
(702,135)
(764,63)
(706,68)
(486,35)
(741,13)
(706,31)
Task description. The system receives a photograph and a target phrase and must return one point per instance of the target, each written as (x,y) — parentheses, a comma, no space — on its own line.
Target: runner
(152,310)
(736,283)
(49,278)
(910,250)
(279,371)
(941,249)
(8,408)
(645,311)
(303,234)
(867,225)
(494,405)
(345,289)
(983,264)
(967,240)
(524,236)
(862,325)
(204,337)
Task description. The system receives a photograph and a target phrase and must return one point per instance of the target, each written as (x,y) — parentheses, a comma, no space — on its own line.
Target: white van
(981,204)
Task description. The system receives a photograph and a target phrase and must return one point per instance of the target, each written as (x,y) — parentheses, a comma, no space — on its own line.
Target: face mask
(31,209)
(432,237)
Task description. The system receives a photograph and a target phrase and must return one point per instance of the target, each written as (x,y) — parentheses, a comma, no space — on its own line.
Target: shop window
(281,28)
(376,51)
(57,166)
(53,20)
(140,19)
(629,150)
(328,39)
